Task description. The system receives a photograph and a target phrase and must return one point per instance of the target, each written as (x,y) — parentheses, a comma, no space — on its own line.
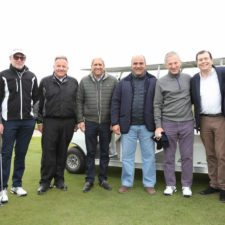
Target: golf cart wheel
(75,162)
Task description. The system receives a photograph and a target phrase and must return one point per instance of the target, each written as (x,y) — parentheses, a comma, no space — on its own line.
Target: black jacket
(57,99)
(18,94)
(195,93)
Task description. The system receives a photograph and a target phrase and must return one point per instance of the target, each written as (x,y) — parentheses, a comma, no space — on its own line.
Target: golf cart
(76,155)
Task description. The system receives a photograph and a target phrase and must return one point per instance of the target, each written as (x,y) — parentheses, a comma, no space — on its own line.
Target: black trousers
(56,136)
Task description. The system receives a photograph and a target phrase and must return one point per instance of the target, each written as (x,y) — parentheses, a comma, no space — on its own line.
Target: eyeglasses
(22,58)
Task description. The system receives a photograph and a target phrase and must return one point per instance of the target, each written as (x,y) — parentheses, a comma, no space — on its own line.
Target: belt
(212,115)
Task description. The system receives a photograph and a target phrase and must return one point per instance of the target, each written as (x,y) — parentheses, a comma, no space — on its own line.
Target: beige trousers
(212,132)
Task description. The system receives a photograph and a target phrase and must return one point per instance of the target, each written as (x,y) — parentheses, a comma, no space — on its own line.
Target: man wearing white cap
(18,95)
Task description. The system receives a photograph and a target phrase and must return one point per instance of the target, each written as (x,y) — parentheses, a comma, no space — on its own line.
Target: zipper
(178,83)
(100,84)
(16,85)
(21,99)
(21,95)
(98,104)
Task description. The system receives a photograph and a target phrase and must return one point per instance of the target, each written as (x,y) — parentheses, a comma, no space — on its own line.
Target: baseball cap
(17,50)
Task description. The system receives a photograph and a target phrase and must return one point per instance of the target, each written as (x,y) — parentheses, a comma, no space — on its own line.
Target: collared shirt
(60,79)
(210,94)
(100,78)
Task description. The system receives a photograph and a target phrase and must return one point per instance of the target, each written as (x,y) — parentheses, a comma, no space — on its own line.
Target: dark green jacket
(94,99)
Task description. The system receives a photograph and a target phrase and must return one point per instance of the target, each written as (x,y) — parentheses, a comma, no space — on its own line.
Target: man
(18,94)
(94,101)
(57,122)
(209,104)
(173,115)
(132,115)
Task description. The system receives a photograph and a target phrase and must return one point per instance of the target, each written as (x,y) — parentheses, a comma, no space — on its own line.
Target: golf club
(1,169)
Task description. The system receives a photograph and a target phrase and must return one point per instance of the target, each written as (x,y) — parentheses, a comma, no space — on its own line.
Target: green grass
(101,207)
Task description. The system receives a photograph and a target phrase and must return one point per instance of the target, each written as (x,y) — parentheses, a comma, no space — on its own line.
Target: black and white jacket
(18,94)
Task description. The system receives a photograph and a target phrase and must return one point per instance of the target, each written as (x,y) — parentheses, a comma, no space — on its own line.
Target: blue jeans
(129,143)
(92,131)
(18,132)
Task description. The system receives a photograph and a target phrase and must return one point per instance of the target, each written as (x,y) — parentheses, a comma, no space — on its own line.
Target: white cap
(17,50)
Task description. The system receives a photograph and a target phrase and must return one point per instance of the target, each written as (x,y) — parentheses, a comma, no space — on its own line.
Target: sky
(114,30)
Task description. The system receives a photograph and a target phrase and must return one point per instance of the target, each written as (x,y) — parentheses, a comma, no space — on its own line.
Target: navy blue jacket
(195,93)
(122,103)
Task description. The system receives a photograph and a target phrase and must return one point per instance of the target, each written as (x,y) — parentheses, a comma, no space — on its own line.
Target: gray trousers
(183,134)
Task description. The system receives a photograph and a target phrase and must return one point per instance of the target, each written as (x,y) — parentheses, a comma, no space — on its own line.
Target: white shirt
(210,94)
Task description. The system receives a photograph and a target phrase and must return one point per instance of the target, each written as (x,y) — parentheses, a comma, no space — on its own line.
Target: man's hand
(82,126)
(1,128)
(116,129)
(40,127)
(158,132)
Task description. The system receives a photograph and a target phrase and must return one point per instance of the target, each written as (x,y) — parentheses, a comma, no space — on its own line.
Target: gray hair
(138,56)
(92,62)
(61,57)
(169,54)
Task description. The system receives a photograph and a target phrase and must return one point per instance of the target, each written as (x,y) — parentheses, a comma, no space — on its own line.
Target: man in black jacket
(207,88)
(18,95)
(57,122)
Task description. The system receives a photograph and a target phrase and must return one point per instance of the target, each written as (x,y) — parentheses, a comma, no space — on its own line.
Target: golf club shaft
(1,166)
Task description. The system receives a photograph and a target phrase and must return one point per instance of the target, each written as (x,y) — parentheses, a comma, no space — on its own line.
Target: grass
(101,207)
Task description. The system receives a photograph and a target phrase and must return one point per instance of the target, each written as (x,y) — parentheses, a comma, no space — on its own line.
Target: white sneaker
(3,196)
(170,190)
(19,191)
(112,152)
(187,192)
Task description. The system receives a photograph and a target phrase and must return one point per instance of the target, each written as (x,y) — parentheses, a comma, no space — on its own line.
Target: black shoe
(42,189)
(209,190)
(61,186)
(222,196)
(87,187)
(105,185)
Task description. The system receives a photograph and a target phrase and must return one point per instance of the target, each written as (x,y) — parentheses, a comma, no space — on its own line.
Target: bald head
(138,65)
(138,57)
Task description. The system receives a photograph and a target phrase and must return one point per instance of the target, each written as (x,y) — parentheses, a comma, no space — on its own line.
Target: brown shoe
(124,189)
(150,190)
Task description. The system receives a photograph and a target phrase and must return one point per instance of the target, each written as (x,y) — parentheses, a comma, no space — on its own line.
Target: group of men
(138,107)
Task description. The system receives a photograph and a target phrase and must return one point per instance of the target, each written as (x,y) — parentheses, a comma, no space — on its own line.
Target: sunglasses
(22,58)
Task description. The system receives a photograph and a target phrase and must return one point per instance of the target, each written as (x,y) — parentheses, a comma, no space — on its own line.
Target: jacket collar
(130,76)
(56,79)
(25,68)
(173,76)
(93,78)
